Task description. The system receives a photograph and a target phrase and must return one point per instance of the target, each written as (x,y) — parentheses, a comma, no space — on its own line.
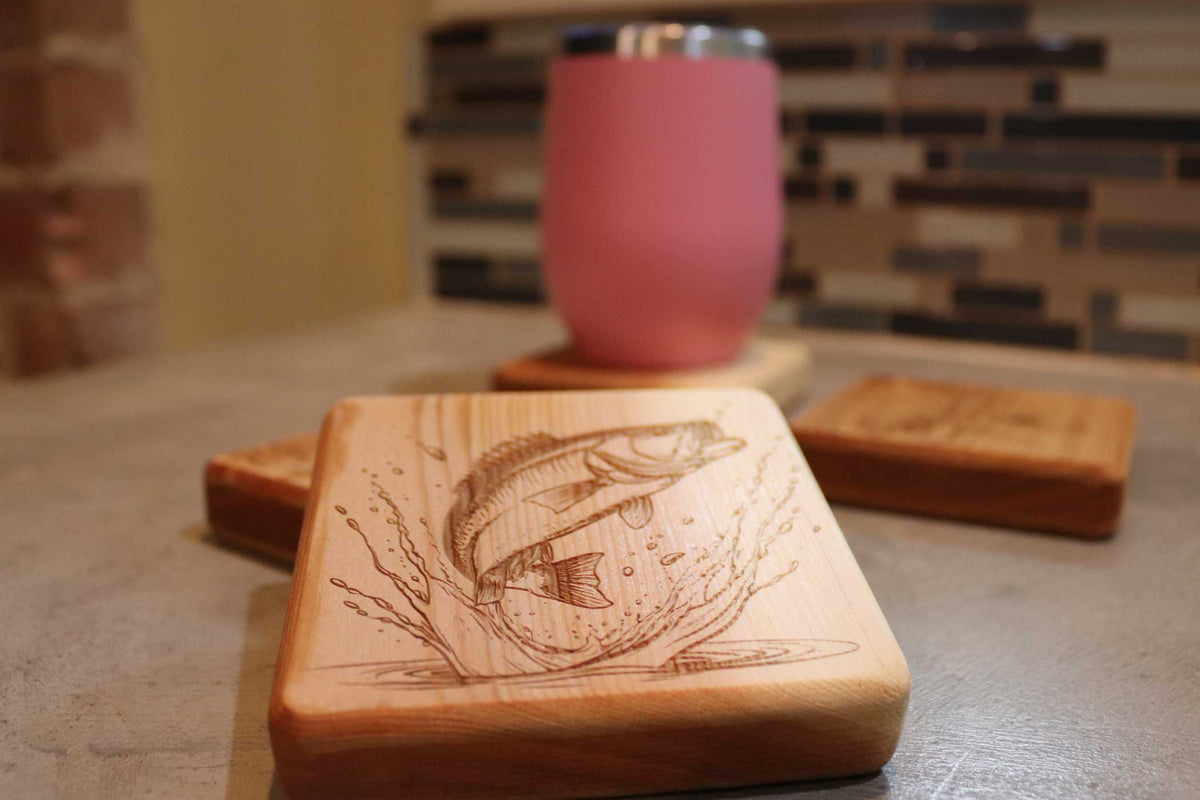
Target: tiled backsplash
(1021,173)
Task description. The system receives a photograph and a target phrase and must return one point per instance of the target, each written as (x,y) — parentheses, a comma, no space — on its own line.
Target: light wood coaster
(1027,458)
(779,367)
(574,594)
(255,497)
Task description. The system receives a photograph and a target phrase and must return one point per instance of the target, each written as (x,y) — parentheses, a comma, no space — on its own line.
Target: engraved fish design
(527,492)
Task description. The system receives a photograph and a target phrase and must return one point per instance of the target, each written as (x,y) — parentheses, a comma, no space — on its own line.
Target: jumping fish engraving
(527,492)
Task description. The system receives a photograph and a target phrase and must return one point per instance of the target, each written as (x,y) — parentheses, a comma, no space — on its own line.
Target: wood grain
(255,497)
(779,367)
(1045,460)
(713,628)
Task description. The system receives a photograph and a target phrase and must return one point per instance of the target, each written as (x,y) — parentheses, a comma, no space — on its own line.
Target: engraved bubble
(340,509)
(627,571)
(670,558)
(652,545)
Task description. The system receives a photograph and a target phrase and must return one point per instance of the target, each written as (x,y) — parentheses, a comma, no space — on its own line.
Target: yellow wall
(277,160)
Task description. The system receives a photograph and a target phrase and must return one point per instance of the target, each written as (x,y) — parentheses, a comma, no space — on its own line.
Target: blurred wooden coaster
(779,367)
(1027,458)
(256,497)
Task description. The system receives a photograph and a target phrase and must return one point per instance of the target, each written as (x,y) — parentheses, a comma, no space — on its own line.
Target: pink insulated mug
(663,208)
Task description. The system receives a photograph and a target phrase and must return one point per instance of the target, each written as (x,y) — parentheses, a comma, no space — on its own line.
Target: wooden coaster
(574,594)
(1030,459)
(256,497)
(779,367)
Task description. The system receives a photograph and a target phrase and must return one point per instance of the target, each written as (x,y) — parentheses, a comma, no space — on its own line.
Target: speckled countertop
(137,655)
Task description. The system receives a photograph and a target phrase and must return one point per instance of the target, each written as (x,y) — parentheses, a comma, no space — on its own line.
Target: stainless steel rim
(657,40)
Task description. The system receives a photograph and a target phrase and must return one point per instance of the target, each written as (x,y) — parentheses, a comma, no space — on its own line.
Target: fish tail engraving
(574,581)
(490,588)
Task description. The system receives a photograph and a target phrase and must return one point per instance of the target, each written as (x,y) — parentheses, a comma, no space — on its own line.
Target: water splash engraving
(455,592)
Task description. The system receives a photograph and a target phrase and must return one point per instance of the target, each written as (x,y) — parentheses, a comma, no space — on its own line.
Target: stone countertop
(137,655)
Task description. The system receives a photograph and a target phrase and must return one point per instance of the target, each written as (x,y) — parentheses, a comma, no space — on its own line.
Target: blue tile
(454,208)
(1103,308)
(1148,238)
(980,17)
(845,317)
(1064,162)
(1140,343)
(1055,335)
(952,260)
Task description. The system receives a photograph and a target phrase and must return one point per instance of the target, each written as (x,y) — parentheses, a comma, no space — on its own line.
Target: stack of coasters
(779,367)
(1037,459)
(574,594)
(255,498)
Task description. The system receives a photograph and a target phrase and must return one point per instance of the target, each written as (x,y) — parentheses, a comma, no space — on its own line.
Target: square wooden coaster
(574,594)
(779,367)
(1027,458)
(255,498)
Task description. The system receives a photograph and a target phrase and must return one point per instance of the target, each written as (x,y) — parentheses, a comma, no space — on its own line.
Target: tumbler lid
(658,39)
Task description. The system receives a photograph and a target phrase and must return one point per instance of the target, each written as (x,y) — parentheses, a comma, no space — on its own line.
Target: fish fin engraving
(575,582)
(490,587)
(493,465)
(560,498)
(637,512)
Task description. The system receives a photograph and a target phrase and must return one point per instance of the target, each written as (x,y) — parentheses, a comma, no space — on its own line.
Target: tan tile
(1159,312)
(1041,232)
(935,294)
(891,157)
(1114,201)
(1068,303)
(1098,17)
(1089,271)
(798,90)
(496,151)
(1153,54)
(859,240)
(950,228)
(821,22)
(781,311)
(874,191)
(878,289)
(971,90)
(517,182)
(495,238)
(526,37)
(1141,94)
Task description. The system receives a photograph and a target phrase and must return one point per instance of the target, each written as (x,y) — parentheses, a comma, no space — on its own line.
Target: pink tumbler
(663,208)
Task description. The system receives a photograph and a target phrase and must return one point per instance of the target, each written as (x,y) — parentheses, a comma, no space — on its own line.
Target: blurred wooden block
(1027,458)
(571,594)
(779,367)
(255,498)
